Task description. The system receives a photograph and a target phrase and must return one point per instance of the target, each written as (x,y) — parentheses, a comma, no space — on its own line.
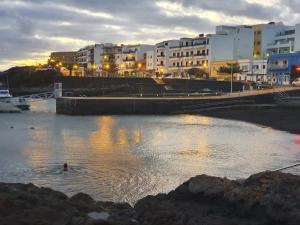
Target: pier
(162,105)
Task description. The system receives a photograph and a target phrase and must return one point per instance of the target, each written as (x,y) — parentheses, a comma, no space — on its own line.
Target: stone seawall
(134,105)
(262,199)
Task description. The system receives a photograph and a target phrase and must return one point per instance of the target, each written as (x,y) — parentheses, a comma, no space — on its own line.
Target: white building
(131,61)
(264,38)
(163,54)
(89,58)
(285,41)
(150,61)
(254,70)
(243,40)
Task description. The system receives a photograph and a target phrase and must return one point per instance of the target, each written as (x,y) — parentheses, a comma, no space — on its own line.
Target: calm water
(124,158)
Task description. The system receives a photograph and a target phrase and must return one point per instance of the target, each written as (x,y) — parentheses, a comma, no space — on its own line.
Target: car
(296,82)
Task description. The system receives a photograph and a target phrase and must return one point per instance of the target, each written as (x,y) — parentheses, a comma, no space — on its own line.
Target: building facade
(68,58)
(284,67)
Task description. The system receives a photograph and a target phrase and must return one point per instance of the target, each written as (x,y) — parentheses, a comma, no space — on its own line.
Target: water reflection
(124,158)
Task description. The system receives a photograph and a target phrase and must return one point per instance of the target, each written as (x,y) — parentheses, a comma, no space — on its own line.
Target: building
(243,40)
(131,61)
(150,62)
(108,60)
(284,67)
(67,58)
(265,37)
(89,57)
(254,71)
(190,53)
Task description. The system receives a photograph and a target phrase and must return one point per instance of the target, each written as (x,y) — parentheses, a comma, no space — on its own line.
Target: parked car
(296,82)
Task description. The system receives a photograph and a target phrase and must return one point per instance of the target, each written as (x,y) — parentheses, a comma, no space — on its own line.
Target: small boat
(19,102)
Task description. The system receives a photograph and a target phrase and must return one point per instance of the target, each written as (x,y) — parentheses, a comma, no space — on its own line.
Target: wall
(220,47)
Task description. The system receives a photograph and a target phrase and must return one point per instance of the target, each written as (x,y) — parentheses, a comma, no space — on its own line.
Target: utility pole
(231,83)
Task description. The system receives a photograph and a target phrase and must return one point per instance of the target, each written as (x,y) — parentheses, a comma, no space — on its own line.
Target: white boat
(19,102)
(4,94)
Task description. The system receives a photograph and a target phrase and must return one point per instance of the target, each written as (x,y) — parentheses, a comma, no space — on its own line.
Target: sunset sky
(31,29)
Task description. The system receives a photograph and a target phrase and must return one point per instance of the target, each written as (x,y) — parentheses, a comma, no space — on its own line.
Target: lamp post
(231,83)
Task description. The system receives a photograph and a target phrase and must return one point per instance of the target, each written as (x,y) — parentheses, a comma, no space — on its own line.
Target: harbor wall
(97,86)
(158,105)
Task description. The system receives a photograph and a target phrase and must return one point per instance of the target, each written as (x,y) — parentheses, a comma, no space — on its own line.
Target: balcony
(129,60)
(129,51)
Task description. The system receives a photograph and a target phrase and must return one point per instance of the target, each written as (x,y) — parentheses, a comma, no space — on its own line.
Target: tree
(230,68)
(198,73)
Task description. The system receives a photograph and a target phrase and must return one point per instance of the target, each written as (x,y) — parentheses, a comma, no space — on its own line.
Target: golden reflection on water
(102,137)
(201,120)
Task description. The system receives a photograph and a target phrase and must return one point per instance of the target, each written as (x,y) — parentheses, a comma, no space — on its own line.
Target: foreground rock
(29,205)
(263,199)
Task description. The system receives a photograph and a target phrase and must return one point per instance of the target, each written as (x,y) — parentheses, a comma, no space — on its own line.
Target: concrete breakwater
(158,105)
(262,199)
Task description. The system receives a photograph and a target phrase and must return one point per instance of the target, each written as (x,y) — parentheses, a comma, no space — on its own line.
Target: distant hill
(27,76)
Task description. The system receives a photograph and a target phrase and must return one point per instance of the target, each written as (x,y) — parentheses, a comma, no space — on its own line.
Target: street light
(161,71)
(231,83)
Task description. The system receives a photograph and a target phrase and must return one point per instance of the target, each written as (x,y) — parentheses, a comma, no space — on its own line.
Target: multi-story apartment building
(109,56)
(89,57)
(162,55)
(131,61)
(176,57)
(265,36)
(285,41)
(243,40)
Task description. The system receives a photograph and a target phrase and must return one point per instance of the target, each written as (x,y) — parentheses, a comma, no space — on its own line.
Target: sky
(31,29)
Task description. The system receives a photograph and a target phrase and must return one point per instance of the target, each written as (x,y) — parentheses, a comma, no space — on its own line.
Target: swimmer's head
(66,167)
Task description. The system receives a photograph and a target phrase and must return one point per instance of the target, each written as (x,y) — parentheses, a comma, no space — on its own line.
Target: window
(198,52)
(161,63)
(198,62)
(174,54)
(166,44)
(207,53)
(258,43)
(187,53)
(174,63)
(187,63)
(203,52)
(178,54)
(186,44)
(207,41)
(178,64)
(192,52)
(264,66)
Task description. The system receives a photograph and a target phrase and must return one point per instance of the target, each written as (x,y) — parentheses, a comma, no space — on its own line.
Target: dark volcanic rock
(26,204)
(265,198)
(269,198)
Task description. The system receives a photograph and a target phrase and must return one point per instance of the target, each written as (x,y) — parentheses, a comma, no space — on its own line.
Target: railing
(35,97)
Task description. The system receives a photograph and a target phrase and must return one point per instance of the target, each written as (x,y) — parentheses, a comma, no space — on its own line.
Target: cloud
(31,29)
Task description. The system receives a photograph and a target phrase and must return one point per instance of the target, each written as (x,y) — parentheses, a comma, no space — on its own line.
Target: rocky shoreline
(263,199)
